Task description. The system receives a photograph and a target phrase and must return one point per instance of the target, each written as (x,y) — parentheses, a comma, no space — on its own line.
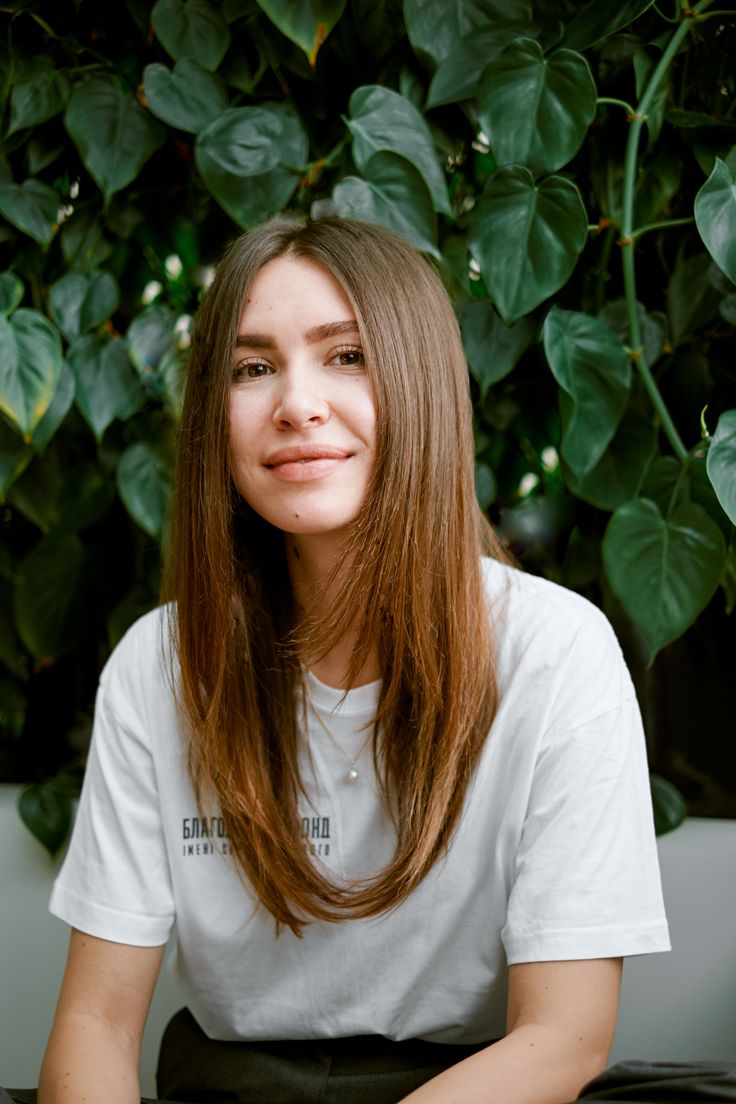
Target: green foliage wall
(569,167)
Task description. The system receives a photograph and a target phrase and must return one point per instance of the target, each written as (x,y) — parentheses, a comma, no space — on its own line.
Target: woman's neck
(311,559)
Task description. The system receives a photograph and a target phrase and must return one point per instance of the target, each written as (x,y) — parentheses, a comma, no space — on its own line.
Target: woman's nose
(300,402)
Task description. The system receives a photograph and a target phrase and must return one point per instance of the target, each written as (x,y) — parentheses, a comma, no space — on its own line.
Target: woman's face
(302,415)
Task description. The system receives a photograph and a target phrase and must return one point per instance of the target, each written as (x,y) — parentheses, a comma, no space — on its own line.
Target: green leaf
(434,28)
(191,29)
(80,303)
(250,200)
(721,462)
(144,485)
(50,595)
(47,814)
(692,302)
(189,98)
(668,805)
(15,456)
(715,217)
(536,110)
(702,492)
(492,347)
(691,119)
(33,207)
(666,483)
(645,62)
(11,292)
(617,475)
(383,120)
(115,136)
(30,366)
(35,493)
(57,411)
(149,337)
(393,194)
(651,327)
(591,366)
(526,235)
(39,93)
(600,19)
(106,387)
(243,141)
(306,22)
(485,485)
(13,702)
(664,570)
(83,240)
(458,75)
(84,498)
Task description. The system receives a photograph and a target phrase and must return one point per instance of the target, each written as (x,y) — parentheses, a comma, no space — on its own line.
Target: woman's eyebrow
(316,333)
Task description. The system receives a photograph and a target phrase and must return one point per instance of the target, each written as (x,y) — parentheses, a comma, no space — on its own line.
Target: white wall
(680,1006)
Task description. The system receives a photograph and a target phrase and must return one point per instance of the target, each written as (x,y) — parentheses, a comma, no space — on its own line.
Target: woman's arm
(94,1047)
(561,1022)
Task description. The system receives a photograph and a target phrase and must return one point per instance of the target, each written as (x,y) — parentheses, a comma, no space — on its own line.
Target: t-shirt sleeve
(115,882)
(587,881)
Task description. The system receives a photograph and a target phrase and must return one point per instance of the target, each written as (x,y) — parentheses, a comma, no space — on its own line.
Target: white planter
(680,1006)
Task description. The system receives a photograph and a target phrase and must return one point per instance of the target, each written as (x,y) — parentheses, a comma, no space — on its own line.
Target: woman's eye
(250,369)
(348,358)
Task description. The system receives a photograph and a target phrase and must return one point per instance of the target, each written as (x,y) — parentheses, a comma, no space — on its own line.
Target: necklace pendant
(352,776)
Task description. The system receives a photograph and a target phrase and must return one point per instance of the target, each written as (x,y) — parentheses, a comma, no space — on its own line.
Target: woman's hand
(94,1047)
(561,1023)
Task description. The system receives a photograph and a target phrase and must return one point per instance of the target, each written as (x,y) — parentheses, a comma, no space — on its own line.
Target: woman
(393,794)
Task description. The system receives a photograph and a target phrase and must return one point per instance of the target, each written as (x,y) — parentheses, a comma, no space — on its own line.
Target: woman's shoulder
(144,657)
(547,633)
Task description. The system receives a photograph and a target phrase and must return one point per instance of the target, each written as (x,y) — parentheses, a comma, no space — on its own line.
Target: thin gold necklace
(352,775)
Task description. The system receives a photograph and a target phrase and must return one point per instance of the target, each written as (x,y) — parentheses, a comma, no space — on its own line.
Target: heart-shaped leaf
(458,75)
(591,366)
(715,217)
(191,29)
(115,136)
(189,98)
(600,19)
(47,814)
(617,475)
(305,22)
(668,805)
(243,141)
(249,200)
(15,456)
(721,462)
(83,240)
(80,303)
(33,207)
(30,366)
(393,194)
(39,92)
(57,411)
(383,120)
(50,595)
(84,498)
(36,493)
(106,386)
(526,235)
(664,570)
(692,301)
(144,484)
(652,327)
(11,292)
(536,110)
(492,347)
(434,28)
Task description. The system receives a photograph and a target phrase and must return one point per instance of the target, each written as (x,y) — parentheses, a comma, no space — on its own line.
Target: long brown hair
(415,590)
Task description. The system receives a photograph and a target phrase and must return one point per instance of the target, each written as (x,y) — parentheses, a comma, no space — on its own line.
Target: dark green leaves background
(139,138)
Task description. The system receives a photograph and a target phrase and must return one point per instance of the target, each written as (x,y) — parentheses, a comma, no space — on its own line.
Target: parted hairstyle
(414,588)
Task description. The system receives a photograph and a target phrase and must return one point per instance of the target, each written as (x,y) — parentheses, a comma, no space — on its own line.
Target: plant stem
(664,225)
(628,234)
(616,103)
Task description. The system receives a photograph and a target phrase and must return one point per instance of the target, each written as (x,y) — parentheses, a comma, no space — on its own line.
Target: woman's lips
(302,462)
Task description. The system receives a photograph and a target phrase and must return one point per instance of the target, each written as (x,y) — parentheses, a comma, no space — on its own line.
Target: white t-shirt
(554,857)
